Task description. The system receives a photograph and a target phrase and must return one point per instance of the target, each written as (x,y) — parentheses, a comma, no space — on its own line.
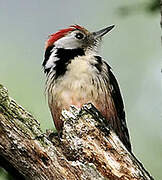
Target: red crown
(54,37)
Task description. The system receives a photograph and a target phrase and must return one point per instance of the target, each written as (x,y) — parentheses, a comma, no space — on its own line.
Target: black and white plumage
(76,75)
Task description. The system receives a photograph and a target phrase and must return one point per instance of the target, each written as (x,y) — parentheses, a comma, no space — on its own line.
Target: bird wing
(119,122)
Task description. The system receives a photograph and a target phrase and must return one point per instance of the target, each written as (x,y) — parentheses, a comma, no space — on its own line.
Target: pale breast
(76,87)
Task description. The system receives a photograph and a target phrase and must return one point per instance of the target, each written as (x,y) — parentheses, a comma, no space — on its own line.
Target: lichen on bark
(87,148)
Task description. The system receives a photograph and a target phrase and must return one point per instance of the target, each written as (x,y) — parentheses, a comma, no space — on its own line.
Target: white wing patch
(52,59)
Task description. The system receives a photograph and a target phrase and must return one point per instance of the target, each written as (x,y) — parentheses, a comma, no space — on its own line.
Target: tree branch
(87,149)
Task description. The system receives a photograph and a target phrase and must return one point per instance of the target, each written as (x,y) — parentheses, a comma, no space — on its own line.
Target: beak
(102,32)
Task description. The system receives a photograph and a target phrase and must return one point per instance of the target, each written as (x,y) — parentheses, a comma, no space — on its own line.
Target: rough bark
(87,149)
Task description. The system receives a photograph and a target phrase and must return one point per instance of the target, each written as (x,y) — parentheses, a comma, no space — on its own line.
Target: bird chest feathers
(77,85)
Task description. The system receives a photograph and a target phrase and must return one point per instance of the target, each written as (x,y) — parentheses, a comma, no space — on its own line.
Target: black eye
(79,36)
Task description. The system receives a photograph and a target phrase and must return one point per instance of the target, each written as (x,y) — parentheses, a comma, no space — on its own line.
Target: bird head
(66,44)
(76,37)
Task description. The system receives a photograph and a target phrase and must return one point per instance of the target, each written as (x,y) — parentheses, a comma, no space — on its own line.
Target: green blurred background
(133,50)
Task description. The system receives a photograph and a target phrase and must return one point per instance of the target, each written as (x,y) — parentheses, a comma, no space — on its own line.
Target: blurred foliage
(150,7)
(6,175)
(153,6)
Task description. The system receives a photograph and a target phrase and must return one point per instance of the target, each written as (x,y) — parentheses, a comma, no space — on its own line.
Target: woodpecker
(77,74)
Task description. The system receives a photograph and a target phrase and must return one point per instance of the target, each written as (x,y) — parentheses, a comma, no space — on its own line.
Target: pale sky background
(133,50)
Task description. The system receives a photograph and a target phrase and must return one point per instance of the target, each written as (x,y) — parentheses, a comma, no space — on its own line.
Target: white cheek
(68,43)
